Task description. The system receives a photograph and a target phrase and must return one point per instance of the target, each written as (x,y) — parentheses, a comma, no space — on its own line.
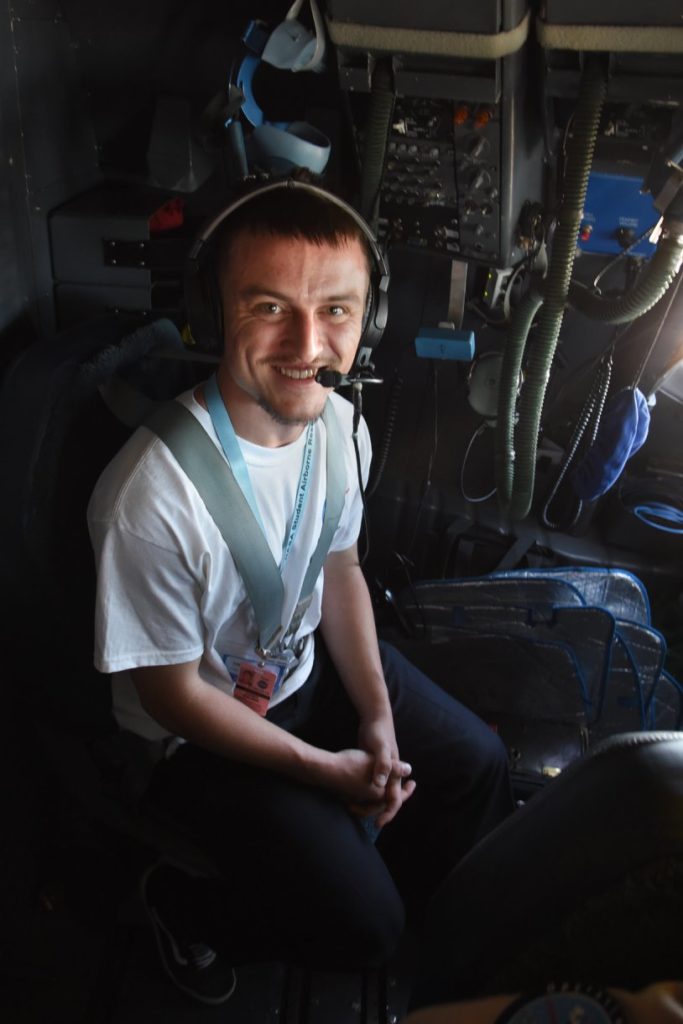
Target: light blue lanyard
(222,424)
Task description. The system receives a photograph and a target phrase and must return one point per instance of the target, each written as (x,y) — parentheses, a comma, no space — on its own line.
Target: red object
(461,114)
(482,117)
(585,232)
(170,215)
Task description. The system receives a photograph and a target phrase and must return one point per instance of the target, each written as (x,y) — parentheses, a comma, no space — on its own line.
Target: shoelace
(199,955)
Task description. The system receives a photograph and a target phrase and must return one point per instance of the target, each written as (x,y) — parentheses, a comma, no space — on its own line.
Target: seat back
(583,882)
(58,433)
(57,436)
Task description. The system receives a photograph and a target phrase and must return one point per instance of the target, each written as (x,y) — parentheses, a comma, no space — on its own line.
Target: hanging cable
(432,455)
(357,399)
(387,435)
(623,254)
(590,416)
(484,497)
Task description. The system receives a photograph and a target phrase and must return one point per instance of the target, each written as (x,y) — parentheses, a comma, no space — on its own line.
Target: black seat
(57,435)
(585,882)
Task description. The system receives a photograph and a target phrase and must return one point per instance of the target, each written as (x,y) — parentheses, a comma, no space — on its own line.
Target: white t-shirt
(168,590)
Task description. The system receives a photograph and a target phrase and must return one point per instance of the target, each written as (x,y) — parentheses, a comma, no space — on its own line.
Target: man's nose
(306,337)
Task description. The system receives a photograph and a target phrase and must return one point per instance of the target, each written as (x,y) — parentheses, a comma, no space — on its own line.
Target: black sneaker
(193,966)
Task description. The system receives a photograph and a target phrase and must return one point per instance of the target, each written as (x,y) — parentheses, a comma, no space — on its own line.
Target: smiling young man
(285,753)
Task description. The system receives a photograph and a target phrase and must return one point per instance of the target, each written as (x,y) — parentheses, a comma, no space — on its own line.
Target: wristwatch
(565,1003)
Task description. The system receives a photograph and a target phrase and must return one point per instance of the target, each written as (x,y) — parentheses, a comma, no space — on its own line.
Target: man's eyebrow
(350,297)
(254,291)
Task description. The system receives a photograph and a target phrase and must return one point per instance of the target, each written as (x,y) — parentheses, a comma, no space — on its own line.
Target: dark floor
(64,968)
(76,946)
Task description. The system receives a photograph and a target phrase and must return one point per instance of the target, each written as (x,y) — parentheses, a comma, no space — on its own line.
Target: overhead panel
(462,155)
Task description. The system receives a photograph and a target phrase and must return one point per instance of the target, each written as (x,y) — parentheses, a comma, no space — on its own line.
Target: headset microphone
(333,379)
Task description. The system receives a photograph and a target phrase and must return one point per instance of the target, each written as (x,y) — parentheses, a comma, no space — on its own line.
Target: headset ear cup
(375,316)
(368,337)
(367,313)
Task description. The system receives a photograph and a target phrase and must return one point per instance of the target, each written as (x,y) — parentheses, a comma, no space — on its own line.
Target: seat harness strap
(225,501)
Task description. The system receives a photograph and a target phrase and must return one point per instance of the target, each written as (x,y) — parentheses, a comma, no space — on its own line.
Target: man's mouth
(296,374)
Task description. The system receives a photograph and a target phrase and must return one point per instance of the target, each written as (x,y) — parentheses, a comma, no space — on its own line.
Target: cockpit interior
(520,164)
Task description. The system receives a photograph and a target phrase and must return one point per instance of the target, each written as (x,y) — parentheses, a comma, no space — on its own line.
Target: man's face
(291,307)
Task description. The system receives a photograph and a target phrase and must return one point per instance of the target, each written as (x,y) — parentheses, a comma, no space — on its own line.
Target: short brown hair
(296,213)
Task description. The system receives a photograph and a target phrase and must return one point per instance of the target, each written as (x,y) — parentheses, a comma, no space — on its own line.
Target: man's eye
(271,307)
(336,310)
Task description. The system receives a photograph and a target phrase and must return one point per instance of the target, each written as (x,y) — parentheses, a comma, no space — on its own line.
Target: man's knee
(493,755)
(373,935)
(354,928)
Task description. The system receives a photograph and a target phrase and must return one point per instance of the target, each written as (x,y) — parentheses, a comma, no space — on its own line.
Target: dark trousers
(302,880)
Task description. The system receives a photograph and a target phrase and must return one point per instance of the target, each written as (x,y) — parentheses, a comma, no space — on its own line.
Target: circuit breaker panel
(462,154)
(441,185)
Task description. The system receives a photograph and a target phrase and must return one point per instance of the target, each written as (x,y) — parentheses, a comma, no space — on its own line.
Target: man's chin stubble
(286,421)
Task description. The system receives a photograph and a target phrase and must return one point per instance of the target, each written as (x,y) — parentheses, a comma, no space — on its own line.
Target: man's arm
(179,699)
(348,627)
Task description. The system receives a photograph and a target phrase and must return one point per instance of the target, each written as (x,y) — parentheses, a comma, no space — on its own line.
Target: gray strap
(395,39)
(205,466)
(201,461)
(611,38)
(126,402)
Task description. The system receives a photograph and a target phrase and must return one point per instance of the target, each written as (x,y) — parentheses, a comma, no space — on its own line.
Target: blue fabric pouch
(623,430)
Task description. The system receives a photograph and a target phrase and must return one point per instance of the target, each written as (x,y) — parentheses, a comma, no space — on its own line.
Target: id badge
(255,682)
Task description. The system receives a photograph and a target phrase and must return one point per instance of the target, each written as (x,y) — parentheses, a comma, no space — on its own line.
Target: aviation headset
(202,294)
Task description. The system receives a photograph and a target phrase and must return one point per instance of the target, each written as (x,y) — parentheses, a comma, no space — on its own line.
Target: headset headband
(379,279)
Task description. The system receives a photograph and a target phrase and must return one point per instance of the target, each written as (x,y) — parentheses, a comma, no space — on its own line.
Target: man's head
(293,275)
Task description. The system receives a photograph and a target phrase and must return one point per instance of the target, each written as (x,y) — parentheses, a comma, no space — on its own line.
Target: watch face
(565,1004)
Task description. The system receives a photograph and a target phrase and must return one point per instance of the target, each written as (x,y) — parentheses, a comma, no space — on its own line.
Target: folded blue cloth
(623,430)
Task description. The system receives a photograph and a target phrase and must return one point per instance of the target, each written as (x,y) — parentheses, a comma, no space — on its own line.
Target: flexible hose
(651,286)
(513,354)
(518,480)
(377,129)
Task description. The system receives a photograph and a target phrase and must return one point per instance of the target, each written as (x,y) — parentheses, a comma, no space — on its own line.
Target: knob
(478,147)
(480,179)
(625,237)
